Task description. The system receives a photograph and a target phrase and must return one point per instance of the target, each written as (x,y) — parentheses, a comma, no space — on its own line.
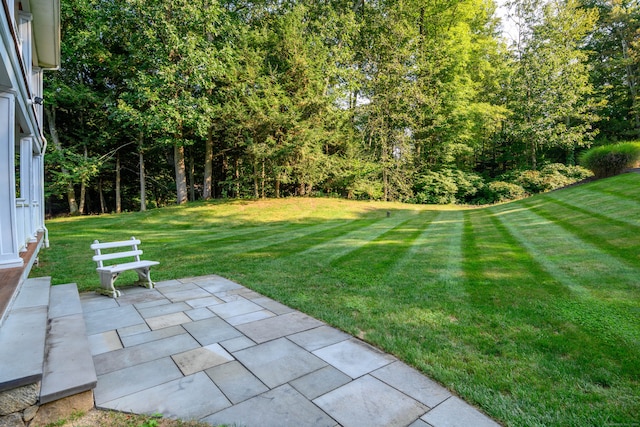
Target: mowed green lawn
(530,310)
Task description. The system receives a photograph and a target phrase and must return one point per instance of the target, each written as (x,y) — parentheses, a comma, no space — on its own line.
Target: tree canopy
(176,100)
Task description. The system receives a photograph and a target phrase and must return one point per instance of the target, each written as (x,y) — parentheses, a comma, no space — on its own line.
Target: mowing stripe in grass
(566,256)
(340,246)
(564,343)
(304,244)
(218,237)
(618,209)
(560,258)
(275,237)
(505,323)
(622,186)
(426,294)
(278,268)
(608,234)
(383,251)
(498,269)
(435,257)
(612,192)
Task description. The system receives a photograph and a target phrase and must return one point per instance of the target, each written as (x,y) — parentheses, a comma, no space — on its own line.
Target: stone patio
(206,348)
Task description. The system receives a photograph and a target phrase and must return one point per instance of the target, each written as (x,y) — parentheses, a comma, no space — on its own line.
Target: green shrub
(364,189)
(550,177)
(532,181)
(575,173)
(447,186)
(500,191)
(435,188)
(469,184)
(455,186)
(609,160)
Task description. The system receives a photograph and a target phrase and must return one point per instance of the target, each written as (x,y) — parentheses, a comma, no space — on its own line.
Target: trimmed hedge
(610,160)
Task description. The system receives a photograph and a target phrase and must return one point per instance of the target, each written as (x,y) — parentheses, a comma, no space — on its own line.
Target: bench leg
(144,278)
(106,282)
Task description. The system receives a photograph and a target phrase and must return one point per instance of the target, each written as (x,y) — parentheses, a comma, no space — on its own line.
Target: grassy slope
(531,309)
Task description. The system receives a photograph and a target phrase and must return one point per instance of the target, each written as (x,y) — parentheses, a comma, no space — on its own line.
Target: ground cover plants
(530,309)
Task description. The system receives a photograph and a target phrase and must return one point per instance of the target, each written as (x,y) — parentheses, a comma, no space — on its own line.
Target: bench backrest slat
(116,255)
(110,245)
(132,244)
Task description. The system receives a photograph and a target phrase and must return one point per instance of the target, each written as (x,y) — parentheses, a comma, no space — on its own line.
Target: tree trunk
(143,179)
(237,172)
(385,171)
(192,182)
(534,155)
(118,198)
(83,187)
(103,204)
(83,193)
(263,178)
(71,194)
(181,178)
(207,191)
(256,192)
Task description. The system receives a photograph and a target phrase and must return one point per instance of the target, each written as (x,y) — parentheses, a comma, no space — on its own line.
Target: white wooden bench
(109,273)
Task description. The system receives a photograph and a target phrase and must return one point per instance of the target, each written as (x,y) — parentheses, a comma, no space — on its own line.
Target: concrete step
(22,335)
(68,364)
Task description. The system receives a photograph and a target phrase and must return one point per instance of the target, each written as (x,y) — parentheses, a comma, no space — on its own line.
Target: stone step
(22,336)
(68,364)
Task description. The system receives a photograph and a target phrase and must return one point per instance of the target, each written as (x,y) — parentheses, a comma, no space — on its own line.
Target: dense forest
(174,100)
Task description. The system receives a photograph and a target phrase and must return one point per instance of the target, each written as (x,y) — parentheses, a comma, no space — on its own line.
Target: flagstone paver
(317,338)
(161,310)
(236,381)
(111,318)
(277,362)
(370,402)
(211,331)
(239,343)
(209,349)
(129,340)
(277,327)
(202,358)
(133,330)
(353,357)
(135,378)
(412,383)
(191,397)
(454,412)
(320,382)
(132,356)
(204,302)
(184,295)
(104,342)
(282,406)
(249,317)
(199,313)
(235,308)
(166,320)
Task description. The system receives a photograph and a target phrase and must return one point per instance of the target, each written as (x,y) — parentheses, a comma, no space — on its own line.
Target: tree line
(175,100)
